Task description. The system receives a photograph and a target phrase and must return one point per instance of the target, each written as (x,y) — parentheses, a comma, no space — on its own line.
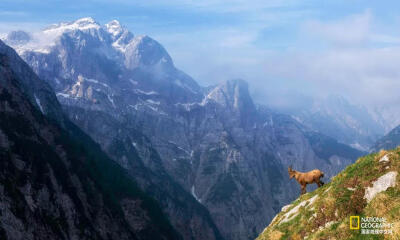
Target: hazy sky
(345,47)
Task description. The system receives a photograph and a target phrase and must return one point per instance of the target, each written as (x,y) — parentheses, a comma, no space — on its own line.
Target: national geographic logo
(354,222)
(371,225)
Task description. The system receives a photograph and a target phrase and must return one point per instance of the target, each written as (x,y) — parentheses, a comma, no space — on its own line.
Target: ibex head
(291,172)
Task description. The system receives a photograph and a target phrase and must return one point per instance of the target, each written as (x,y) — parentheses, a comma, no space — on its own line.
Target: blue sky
(281,47)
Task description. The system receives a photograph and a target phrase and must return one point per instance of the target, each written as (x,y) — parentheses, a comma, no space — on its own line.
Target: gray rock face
(215,144)
(89,74)
(55,182)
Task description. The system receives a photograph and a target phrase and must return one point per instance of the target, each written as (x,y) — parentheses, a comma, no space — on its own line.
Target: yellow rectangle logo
(351,222)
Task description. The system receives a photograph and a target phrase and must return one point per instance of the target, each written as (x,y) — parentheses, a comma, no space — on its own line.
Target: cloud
(383,38)
(351,30)
(368,76)
(285,49)
(6,27)
(222,6)
(359,60)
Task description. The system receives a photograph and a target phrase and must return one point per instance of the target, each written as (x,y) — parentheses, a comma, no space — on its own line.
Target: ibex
(306,178)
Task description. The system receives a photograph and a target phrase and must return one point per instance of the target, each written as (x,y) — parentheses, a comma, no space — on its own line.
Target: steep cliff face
(99,75)
(238,154)
(207,155)
(55,182)
(369,189)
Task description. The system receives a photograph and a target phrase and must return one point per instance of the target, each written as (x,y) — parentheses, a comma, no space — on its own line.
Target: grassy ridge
(325,213)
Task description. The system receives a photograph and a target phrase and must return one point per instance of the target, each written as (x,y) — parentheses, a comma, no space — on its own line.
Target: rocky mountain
(18,37)
(368,189)
(208,155)
(389,141)
(55,182)
(336,117)
(92,104)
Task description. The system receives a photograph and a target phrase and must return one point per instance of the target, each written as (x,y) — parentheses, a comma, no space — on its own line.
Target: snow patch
(80,24)
(145,93)
(148,105)
(153,102)
(133,82)
(297,119)
(119,47)
(156,110)
(63,95)
(38,103)
(114,27)
(179,83)
(43,41)
(84,79)
(111,100)
(136,106)
(194,194)
(380,185)
(97,82)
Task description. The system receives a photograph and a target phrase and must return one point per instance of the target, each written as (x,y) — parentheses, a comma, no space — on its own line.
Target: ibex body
(310,177)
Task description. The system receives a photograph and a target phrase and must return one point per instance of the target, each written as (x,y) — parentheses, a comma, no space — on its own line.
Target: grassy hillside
(368,188)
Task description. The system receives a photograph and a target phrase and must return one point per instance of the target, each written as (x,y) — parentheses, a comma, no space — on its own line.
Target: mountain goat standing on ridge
(310,177)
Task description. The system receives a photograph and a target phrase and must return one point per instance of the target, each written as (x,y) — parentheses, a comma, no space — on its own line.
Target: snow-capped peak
(121,36)
(80,24)
(85,21)
(114,27)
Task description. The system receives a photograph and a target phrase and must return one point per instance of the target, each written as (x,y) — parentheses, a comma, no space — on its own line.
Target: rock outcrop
(368,189)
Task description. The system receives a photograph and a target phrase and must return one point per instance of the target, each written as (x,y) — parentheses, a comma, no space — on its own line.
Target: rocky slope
(389,141)
(55,182)
(368,188)
(175,137)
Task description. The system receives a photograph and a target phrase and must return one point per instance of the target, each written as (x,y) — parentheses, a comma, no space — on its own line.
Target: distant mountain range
(213,160)
(336,117)
(389,141)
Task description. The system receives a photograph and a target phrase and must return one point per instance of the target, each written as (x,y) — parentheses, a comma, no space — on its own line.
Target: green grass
(339,203)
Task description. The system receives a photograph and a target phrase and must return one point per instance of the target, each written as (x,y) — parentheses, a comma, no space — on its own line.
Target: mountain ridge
(229,154)
(368,188)
(389,141)
(51,171)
